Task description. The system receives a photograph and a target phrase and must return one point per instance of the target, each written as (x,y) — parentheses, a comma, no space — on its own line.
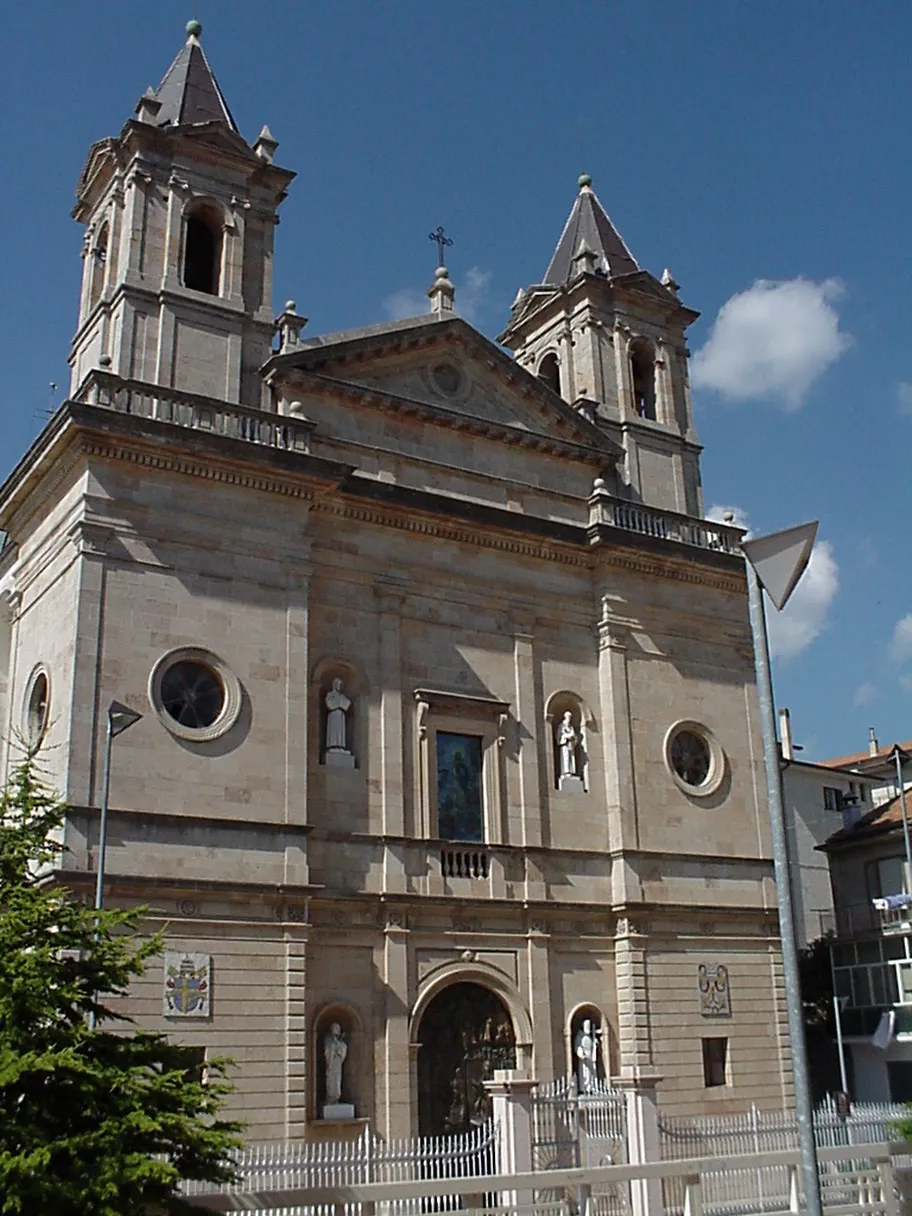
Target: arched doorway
(465,1034)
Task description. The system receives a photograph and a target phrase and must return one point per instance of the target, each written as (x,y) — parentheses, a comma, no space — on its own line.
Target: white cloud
(717,515)
(805,615)
(901,642)
(407,302)
(904,398)
(472,294)
(865,694)
(772,340)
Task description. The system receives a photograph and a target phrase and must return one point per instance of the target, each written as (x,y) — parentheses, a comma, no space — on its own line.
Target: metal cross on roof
(442,241)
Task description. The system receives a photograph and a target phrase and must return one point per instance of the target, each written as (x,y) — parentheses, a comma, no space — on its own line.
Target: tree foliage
(93,1122)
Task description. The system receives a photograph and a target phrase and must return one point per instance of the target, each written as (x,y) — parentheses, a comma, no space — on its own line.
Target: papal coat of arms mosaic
(187,986)
(712,984)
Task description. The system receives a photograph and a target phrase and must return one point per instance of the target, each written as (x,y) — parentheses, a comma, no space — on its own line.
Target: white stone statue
(335,1050)
(337,705)
(567,740)
(585,1048)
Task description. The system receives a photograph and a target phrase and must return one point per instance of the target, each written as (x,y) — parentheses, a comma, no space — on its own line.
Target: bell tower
(609,338)
(179,213)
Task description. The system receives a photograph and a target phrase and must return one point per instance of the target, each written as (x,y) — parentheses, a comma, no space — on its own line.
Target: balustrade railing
(463,863)
(607,511)
(196,413)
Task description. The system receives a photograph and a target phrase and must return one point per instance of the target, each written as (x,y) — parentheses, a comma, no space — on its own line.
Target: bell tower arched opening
(203,251)
(465,1033)
(549,372)
(642,375)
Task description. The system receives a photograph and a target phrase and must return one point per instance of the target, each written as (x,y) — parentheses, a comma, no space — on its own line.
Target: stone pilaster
(524,808)
(618,739)
(538,978)
(634,1030)
(393,1097)
(392,757)
(297,1078)
(297,725)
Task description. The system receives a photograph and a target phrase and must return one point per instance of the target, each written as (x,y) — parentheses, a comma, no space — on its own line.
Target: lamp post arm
(803,1107)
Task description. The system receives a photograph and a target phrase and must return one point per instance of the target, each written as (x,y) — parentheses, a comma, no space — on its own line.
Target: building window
(203,252)
(195,695)
(549,372)
(886,876)
(642,373)
(832,798)
(37,706)
(459,787)
(715,1062)
(694,758)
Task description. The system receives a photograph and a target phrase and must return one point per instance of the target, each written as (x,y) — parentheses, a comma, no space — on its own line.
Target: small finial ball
(585,180)
(441,272)
(194,28)
(104,361)
(729,517)
(598,484)
(290,305)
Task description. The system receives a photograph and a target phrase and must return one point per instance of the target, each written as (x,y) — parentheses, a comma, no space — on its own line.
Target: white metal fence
(333,1164)
(765,1189)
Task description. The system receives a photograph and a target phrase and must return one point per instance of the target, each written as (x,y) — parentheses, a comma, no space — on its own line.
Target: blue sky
(761,151)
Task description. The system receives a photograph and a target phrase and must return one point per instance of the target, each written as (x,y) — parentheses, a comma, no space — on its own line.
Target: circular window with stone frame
(694,758)
(195,695)
(37,707)
(448,379)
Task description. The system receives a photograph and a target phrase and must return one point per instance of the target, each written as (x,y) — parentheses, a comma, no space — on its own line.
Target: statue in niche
(335,1051)
(336,743)
(585,1049)
(567,744)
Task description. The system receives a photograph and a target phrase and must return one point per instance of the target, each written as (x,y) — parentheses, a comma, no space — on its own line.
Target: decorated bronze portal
(465,1034)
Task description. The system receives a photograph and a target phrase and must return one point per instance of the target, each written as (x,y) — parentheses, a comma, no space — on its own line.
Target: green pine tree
(98,1122)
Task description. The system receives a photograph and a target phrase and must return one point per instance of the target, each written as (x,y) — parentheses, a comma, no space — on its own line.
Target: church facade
(450,756)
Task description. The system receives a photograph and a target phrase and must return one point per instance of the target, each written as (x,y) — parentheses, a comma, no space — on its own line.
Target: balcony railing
(195,413)
(607,511)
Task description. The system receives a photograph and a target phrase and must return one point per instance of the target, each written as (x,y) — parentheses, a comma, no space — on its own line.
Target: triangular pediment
(450,369)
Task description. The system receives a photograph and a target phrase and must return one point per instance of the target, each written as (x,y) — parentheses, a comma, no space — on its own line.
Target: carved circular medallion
(447,378)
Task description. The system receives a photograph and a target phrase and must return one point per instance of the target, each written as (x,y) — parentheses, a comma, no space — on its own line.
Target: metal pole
(103,835)
(843,1077)
(803,1108)
(901,789)
(103,828)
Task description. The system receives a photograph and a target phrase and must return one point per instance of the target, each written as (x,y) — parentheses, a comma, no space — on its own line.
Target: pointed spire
(589,228)
(189,92)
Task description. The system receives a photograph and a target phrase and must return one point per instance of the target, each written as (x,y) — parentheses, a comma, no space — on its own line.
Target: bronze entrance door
(465,1034)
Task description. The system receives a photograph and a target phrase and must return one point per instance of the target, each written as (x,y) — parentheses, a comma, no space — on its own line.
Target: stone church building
(449,741)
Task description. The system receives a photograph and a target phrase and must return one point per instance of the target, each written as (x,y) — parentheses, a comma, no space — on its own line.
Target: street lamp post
(776,563)
(120,718)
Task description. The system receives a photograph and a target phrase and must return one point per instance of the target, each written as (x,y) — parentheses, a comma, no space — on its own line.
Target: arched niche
(603,1038)
(353,1091)
(332,674)
(643,378)
(549,372)
(558,705)
(203,242)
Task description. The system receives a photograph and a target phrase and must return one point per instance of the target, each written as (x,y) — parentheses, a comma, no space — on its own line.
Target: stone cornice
(335,489)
